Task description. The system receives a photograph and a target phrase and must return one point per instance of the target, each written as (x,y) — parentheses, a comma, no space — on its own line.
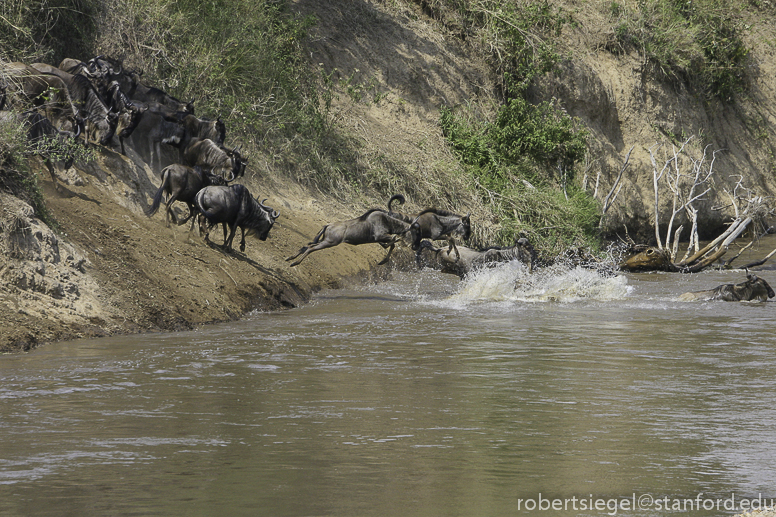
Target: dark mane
(364,216)
(439,211)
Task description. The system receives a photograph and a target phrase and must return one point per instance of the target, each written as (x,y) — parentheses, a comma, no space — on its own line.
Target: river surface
(563,392)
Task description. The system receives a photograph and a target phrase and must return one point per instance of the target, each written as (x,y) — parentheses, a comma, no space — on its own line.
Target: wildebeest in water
(466,260)
(754,289)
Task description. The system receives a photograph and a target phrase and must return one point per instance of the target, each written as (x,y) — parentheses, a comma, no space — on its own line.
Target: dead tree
(687,186)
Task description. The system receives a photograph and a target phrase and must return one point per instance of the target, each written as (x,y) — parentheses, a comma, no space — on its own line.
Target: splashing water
(512,282)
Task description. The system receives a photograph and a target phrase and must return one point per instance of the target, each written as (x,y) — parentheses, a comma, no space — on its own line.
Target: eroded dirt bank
(111,269)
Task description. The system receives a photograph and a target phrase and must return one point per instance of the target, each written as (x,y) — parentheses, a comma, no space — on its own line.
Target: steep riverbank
(111,269)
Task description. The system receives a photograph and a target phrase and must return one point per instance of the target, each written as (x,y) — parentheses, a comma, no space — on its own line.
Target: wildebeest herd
(100,102)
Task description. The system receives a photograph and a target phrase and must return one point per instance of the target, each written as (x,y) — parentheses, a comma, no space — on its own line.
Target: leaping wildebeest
(374,226)
(753,289)
(436,223)
(235,207)
(181,183)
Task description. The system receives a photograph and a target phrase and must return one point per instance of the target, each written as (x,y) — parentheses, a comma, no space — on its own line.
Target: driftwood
(651,258)
(687,188)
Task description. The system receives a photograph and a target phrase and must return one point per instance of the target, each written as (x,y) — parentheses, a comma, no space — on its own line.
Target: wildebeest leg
(242,240)
(194,219)
(169,213)
(453,247)
(301,250)
(304,249)
(50,167)
(314,247)
(192,213)
(390,250)
(228,241)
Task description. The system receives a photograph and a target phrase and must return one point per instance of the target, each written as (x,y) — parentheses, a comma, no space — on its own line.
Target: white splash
(512,282)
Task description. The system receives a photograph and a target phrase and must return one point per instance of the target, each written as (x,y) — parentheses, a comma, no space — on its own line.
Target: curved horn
(275,214)
(230,179)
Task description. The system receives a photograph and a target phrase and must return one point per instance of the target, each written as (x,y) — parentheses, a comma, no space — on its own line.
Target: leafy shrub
(542,132)
(698,42)
(507,161)
(15,175)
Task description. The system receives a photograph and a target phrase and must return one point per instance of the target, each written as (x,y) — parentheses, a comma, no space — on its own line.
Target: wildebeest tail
(317,238)
(151,210)
(396,197)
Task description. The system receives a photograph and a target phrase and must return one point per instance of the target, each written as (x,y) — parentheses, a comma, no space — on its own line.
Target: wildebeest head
(759,288)
(238,163)
(464,230)
(268,217)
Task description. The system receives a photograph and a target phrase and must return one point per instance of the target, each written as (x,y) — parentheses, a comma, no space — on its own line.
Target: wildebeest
(101,121)
(108,69)
(129,113)
(754,289)
(469,259)
(234,206)
(195,128)
(51,144)
(181,183)
(436,223)
(215,158)
(151,132)
(374,226)
(27,87)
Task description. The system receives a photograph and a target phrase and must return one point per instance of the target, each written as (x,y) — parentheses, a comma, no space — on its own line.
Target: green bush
(699,42)
(15,175)
(542,132)
(507,161)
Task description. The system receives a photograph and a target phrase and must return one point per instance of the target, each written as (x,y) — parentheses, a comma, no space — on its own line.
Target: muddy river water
(564,392)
